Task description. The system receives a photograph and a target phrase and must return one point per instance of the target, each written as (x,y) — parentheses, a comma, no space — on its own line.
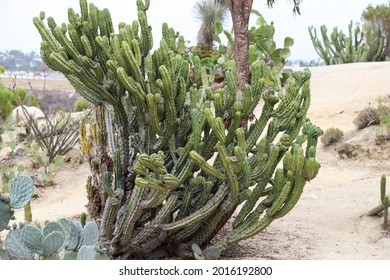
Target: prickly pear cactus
(63,239)
(21,192)
(170,159)
(15,249)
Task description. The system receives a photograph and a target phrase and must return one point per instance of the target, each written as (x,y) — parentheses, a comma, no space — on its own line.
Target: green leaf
(288,42)
(58,161)
(21,169)
(20,130)
(260,21)
(285,53)
(12,145)
(266,31)
(218,28)
(7,126)
(207,61)
(217,39)
(229,37)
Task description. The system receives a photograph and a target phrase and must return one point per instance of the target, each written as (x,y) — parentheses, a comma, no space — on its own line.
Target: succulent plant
(21,192)
(171,161)
(356,46)
(63,239)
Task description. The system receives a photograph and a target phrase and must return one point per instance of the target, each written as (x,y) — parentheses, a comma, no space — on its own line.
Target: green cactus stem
(385,211)
(169,158)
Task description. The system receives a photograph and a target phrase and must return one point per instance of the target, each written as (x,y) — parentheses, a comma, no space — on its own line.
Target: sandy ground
(329,221)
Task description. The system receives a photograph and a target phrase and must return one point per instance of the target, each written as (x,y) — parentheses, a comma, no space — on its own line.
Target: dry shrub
(331,136)
(368,116)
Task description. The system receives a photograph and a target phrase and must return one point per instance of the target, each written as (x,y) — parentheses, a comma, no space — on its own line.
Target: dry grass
(37,84)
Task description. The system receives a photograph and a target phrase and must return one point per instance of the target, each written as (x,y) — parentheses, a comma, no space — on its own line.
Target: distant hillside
(15,60)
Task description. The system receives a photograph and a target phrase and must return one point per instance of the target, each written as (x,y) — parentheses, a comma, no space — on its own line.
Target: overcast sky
(18,32)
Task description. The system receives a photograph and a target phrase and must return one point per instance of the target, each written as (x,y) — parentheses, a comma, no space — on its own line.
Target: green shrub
(6,98)
(331,136)
(11,99)
(80,105)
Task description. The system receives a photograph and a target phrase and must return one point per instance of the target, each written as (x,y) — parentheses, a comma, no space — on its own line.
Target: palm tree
(209,12)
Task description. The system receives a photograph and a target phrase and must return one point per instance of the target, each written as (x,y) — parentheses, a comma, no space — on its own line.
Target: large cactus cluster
(358,46)
(171,160)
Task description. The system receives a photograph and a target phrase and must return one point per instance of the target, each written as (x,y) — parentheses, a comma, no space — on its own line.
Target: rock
(18,117)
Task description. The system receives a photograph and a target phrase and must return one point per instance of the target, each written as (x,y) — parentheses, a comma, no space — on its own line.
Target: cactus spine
(170,160)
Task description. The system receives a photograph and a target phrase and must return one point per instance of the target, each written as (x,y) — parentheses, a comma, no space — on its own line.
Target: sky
(18,32)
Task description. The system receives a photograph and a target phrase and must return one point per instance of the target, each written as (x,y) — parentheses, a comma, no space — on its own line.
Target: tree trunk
(240,11)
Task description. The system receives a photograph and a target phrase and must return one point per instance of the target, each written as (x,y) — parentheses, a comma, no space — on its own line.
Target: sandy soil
(329,222)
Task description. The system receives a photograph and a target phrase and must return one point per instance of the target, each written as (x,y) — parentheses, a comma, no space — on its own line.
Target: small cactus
(63,239)
(21,192)
(385,211)
(15,248)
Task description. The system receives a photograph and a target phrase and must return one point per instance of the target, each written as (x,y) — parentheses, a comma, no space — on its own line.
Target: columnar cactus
(170,160)
(357,46)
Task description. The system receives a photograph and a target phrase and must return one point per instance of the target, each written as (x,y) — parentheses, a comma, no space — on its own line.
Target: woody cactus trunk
(170,161)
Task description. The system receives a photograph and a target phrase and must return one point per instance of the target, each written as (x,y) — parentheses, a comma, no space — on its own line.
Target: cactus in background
(384,206)
(357,46)
(21,191)
(385,212)
(170,161)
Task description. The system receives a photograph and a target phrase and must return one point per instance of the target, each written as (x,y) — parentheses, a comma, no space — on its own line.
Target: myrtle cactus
(21,192)
(357,46)
(171,160)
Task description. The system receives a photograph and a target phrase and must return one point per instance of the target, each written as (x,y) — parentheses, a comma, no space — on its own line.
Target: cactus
(15,249)
(386,211)
(168,171)
(63,239)
(21,192)
(357,46)
(384,206)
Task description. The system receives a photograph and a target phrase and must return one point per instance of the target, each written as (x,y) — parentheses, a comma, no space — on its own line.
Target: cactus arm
(109,214)
(200,214)
(207,168)
(154,224)
(126,223)
(233,180)
(45,33)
